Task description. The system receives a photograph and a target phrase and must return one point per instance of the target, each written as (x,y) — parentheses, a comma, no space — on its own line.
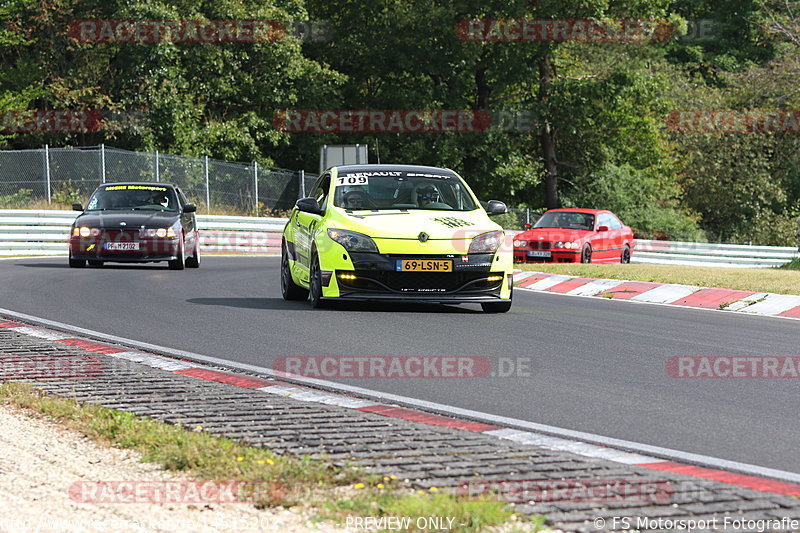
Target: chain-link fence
(61,176)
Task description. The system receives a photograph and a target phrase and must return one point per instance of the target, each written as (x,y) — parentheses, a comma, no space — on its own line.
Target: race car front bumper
(377,276)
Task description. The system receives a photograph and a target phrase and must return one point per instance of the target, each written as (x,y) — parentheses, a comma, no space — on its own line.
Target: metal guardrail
(711,254)
(29,232)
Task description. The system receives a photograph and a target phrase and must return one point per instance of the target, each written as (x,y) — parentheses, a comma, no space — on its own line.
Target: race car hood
(553,235)
(396,224)
(132,219)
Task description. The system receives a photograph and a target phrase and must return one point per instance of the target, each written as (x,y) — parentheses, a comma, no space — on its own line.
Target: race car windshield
(383,190)
(562,220)
(133,198)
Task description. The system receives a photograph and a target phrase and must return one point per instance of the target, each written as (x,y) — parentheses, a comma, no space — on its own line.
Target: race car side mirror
(77,207)
(189,208)
(602,228)
(496,207)
(308,205)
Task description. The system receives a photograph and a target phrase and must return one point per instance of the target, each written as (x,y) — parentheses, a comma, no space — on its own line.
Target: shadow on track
(374,307)
(115,266)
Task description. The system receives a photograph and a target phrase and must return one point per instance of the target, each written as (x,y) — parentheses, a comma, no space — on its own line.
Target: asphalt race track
(598,366)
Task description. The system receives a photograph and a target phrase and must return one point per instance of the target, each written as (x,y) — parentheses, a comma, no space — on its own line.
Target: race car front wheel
(289,289)
(315,282)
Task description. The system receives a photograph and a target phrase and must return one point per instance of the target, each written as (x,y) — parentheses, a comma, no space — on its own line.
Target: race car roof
(394,168)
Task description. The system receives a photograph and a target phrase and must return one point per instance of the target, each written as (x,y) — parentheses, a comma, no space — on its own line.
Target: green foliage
(17,200)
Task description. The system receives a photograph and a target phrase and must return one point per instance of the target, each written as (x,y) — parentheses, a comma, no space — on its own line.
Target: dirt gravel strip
(40,460)
(426,450)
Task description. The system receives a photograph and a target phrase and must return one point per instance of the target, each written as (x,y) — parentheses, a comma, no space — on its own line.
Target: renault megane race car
(135,223)
(396,232)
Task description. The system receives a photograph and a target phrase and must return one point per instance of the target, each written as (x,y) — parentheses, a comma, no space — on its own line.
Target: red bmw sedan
(575,236)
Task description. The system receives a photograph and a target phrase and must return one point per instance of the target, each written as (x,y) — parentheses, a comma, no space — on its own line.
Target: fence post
(205,174)
(155,166)
(255,183)
(47,170)
(103,162)
(302,184)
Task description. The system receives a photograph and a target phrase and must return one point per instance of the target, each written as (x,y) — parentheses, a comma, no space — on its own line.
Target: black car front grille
(427,282)
(539,245)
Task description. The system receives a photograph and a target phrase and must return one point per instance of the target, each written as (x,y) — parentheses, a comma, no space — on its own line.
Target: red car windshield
(566,220)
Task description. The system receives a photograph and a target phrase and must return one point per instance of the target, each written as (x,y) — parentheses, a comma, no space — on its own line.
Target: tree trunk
(547,134)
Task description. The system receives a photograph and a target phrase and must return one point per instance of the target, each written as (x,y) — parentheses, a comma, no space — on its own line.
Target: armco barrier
(712,255)
(29,232)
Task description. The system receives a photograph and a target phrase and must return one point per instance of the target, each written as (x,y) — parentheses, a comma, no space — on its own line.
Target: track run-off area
(592,365)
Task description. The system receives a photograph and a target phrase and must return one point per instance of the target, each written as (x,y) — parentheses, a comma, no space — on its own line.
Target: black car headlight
(353,241)
(159,232)
(487,243)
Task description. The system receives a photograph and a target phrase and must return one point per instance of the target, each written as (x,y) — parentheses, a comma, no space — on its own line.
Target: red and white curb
(522,437)
(753,303)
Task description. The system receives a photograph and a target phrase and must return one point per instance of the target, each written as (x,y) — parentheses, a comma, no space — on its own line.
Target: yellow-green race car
(396,233)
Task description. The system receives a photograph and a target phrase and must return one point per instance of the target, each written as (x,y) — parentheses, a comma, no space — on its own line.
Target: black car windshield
(566,220)
(380,190)
(133,197)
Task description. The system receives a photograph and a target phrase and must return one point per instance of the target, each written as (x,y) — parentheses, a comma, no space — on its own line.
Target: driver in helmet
(355,199)
(426,195)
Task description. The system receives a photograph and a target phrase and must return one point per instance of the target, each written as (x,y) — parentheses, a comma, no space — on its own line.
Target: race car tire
(193,261)
(626,255)
(77,263)
(315,282)
(178,264)
(496,307)
(586,254)
(289,289)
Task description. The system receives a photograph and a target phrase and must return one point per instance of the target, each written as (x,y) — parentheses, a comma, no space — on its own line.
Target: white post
(47,170)
(103,162)
(255,182)
(205,174)
(155,166)
(302,184)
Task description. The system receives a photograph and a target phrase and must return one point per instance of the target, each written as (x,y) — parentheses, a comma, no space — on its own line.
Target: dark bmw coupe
(135,223)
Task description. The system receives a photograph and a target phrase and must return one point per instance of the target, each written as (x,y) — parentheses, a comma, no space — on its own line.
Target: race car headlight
(353,241)
(520,243)
(568,245)
(486,243)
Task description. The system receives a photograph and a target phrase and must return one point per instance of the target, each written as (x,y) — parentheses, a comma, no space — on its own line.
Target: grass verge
(336,492)
(776,280)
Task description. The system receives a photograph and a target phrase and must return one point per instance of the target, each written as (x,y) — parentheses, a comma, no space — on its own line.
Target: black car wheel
(194,260)
(586,255)
(178,264)
(626,255)
(315,282)
(289,289)
(76,263)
